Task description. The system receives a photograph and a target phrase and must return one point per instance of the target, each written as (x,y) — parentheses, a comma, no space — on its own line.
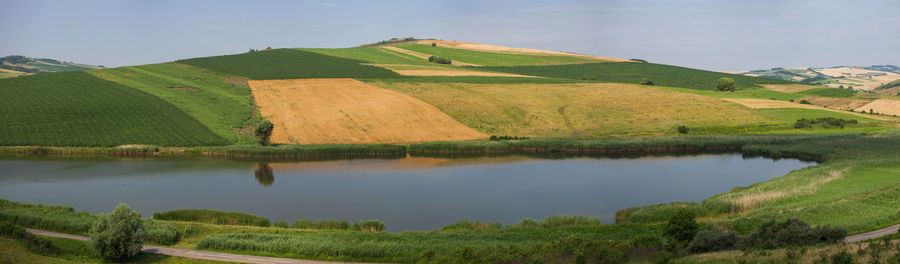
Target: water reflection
(264,174)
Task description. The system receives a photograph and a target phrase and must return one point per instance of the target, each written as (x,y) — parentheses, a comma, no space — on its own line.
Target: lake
(406,194)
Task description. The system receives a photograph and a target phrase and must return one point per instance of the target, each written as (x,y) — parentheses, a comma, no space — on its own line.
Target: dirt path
(425,56)
(197,254)
(874,234)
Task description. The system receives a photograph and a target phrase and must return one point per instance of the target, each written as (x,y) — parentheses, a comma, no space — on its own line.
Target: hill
(12,66)
(398,96)
(864,78)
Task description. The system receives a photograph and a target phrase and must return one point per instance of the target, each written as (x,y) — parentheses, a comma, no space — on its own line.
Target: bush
(190,230)
(842,257)
(824,122)
(162,233)
(683,129)
(212,217)
(646,81)
(369,226)
(791,232)
(496,138)
(709,241)
(433,44)
(804,101)
(327,224)
(726,84)
(440,60)
(119,235)
(681,225)
(11,230)
(264,131)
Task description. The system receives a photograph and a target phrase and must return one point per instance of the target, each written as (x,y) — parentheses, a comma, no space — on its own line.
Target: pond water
(406,194)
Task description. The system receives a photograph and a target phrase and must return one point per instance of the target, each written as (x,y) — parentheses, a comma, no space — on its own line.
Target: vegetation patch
(288,64)
(497,58)
(77,109)
(210,216)
(824,122)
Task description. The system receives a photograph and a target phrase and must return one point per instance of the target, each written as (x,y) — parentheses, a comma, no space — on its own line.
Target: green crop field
(829,92)
(633,72)
(77,109)
(223,104)
(496,58)
(371,54)
(288,64)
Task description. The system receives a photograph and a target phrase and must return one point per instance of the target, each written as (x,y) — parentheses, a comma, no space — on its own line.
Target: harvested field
(347,111)
(494,48)
(457,73)
(575,110)
(882,106)
(788,88)
(763,104)
(425,56)
(836,103)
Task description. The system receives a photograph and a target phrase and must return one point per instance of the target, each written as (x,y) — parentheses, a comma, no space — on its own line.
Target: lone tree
(433,44)
(726,84)
(681,226)
(264,131)
(119,235)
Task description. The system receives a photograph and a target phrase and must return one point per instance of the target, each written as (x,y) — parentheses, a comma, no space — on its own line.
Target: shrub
(11,230)
(212,217)
(804,101)
(162,233)
(440,60)
(433,44)
(646,81)
(190,230)
(709,241)
(824,122)
(842,257)
(683,129)
(369,226)
(264,131)
(496,138)
(119,235)
(327,224)
(681,225)
(791,232)
(726,84)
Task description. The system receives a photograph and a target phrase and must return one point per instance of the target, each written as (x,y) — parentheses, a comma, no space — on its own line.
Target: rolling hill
(863,78)
(13,66)
(398,96)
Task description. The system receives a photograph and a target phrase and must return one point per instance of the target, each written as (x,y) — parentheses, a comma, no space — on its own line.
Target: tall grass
(325,224)
(48,217)
(302,152)
(212,217)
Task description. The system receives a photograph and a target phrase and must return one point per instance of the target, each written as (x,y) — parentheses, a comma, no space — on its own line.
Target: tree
(726,84)
(119,235)
(681,225)
(264,131)
(646,81)
(433,44)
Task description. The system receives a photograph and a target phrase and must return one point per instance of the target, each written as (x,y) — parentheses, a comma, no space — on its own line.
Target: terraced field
(77,109)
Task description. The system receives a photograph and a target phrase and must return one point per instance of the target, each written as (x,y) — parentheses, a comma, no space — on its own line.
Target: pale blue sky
(719,35)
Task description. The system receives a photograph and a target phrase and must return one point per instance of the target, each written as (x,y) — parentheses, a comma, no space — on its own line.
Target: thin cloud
(327,4)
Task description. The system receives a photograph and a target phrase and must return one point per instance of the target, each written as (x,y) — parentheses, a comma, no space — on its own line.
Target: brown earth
(882,106)
(347,111)
(789,88)
(495,48)
(425,56)
(836,103)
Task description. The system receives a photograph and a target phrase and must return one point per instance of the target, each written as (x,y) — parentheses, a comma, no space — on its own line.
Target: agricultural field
(222,103)
(28,65)
(357,113)
(485,58)
(431,70)
(288,64)
(78,109)
(371,55)
(510,50)
(586,110)
(882,106)
(634,72)
(4,73)
(864,78)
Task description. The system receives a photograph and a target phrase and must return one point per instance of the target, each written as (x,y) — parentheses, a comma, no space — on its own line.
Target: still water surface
(406,194)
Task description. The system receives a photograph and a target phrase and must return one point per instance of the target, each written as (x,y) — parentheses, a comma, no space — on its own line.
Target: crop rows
(77,109)
(289,64)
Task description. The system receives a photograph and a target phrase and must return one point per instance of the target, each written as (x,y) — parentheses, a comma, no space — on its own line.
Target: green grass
(212,217)
(289,64)
(77,109)
(74,251)
(47,217)
(496,58)
(225,108)
(371,54)
(303,152)
(769,94)
(829,92)
(632,72)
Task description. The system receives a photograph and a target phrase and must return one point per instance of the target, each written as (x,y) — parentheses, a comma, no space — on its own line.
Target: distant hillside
(865,78)
(12,66)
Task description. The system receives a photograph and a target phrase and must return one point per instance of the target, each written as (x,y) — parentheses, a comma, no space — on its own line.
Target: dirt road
(198,254)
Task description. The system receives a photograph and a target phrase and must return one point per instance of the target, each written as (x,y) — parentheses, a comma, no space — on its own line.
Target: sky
(712,35)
